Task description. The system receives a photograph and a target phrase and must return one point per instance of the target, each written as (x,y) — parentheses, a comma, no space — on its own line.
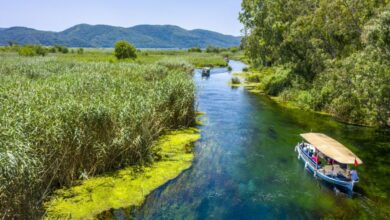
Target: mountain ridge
(142,36)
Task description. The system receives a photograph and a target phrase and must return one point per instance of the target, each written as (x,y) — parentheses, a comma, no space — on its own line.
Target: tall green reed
(63,120)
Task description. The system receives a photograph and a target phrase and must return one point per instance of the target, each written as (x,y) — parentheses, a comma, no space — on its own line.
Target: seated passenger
(315,158)
(354,175)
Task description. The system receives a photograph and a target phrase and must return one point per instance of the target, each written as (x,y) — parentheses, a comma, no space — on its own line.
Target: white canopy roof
(331,148)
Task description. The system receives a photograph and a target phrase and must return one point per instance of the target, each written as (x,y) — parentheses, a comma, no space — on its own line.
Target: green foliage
(27,51)
(211,49)
(61,120)
(32,50)
(80,51)
(320,41)
(126,187)
(235,80)
(195,50)
(60,49)
(254,78)
(124,50)
(148,57)
(275,82)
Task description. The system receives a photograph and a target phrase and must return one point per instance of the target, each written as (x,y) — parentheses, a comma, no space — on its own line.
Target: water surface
(246,167)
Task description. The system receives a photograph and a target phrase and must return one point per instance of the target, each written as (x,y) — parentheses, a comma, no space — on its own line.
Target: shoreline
(253,88)
(126,187)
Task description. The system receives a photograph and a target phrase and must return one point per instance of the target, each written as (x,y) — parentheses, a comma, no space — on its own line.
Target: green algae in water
(127,187)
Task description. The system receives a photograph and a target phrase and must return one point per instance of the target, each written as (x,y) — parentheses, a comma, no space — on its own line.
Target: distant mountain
(142,36)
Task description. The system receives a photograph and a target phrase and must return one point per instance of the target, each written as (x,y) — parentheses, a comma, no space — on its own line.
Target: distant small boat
(336,170)
(206,71)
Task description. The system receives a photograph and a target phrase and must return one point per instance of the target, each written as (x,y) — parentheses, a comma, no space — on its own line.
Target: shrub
(61,49)
(32,50)
(124,50)
(211,49)
(195,50)
(80,51)
(39,50)
(27,50)
(253,78)
(276,82)
(235,80)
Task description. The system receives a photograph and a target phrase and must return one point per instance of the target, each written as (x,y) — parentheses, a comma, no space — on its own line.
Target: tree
(41,51)
(124,50)
(80,51)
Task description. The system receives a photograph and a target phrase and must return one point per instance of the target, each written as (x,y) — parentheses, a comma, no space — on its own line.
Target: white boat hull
(312,167)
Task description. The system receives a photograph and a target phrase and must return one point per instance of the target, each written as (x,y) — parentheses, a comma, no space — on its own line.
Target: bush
(27,51)
(234,49)
(80,51)
(235,80)
(32,50)
(211,49)
(41,51)
(195,50)
(253,78)
(60,48)
(124,50)
(276,82)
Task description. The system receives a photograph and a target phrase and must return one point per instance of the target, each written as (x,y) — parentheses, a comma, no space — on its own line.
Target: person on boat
(304,147)
(354,175)
(315,158)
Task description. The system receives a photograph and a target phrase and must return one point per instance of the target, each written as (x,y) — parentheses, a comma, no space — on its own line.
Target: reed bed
(62,121)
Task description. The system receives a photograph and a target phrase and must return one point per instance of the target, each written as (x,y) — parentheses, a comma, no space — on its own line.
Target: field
(63,119)
(143,56)
(151,56)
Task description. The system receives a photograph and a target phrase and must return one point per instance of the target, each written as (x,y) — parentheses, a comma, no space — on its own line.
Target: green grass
(63,120)
(148,57)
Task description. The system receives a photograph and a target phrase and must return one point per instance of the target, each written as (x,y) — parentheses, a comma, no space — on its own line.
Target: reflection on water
(246,167)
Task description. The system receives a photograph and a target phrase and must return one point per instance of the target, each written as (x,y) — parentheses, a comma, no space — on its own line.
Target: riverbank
(126,187)
(265,83)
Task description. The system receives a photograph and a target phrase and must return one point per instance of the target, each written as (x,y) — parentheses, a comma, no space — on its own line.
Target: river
(246,167)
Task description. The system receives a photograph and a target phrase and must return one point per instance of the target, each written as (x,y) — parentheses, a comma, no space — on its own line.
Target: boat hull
(311,166)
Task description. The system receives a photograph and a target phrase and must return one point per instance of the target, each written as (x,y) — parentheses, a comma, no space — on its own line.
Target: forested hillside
(325,55)
(142,36)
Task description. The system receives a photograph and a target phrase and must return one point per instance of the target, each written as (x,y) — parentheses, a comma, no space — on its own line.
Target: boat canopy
(331,148)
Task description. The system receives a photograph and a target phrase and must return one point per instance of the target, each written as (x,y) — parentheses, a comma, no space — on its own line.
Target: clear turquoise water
(246,167)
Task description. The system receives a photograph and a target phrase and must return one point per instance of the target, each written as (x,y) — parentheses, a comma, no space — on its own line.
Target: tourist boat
(206,71)
(336,170)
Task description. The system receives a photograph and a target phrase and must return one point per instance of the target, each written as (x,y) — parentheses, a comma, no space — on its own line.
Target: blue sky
(55,15)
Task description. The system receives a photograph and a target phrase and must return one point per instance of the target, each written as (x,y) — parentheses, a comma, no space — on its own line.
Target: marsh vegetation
(64,120)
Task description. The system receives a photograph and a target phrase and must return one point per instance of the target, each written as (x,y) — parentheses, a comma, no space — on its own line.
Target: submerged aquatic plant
(127,187)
